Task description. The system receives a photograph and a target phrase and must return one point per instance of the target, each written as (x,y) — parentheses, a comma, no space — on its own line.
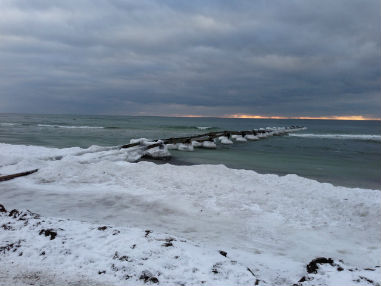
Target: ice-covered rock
(185,147)
(209,145)
(160,152)
(225,140)
(196,144)
(239,138)
(251,137)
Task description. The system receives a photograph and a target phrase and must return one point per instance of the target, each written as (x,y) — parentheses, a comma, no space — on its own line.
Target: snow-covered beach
(233,226)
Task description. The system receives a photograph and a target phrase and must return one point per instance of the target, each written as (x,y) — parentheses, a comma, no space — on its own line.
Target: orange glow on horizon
(350,117)
(250,116)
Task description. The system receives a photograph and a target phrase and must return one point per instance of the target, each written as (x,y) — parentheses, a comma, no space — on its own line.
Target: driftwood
(13,176)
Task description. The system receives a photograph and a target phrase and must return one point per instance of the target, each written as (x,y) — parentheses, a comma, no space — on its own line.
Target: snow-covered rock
(209,145)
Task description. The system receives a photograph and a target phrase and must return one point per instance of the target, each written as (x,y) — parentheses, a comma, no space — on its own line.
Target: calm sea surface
(345,153)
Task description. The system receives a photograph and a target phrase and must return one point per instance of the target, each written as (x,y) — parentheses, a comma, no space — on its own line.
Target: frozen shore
(44,251)
(273,225)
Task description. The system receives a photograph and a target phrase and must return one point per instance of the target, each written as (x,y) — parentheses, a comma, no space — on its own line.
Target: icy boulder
(160,152)
(239,138)
(209,145)
(251,137)
(185,147)
(171,146)
(196,144)
(262,135)
(225,140)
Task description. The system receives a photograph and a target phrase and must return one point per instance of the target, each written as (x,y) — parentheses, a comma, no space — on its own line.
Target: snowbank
(38,250)
(275,225)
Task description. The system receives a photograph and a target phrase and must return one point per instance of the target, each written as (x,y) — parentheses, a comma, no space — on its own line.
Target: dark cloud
(291,58)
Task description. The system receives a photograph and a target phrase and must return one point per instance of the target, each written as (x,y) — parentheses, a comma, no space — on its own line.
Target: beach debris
(13,176)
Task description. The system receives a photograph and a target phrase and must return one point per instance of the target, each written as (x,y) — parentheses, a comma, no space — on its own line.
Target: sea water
(344,153)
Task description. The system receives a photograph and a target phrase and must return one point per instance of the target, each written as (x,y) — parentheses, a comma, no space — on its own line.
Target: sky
(292,58)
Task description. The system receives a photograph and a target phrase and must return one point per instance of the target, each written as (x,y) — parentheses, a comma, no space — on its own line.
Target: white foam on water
(203,127)
(8,124)
(340,136)
(70,127)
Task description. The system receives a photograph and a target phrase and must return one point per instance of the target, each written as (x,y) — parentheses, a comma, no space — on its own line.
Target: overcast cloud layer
(289,58)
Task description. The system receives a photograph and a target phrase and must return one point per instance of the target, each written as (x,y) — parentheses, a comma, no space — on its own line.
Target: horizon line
(250,116)
(232,116)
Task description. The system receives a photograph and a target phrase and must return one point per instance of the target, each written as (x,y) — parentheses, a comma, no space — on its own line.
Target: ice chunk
(196,144)
(209,145)
(171,146)
(184,147)
(158,152)
(225,140)
(239,138)
(251,137)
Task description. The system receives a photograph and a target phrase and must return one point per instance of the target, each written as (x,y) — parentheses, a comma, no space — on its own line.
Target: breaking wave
(70,127)
(365,137)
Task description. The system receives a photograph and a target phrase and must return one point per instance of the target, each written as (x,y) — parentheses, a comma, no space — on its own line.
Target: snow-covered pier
(158,149)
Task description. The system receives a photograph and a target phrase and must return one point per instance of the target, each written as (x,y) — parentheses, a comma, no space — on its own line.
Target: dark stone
(14,213)
(6,227)
(133,246)
(148,277)
(147,232)
(339,268)
(102,272)
(102,228)
(42,253)
(48,232)
(312,267)
(11,246)
(223,253)
(302,279)
(123,258)
(257,281)
(167,244)
(215,268)
(114,268)
(2,209)
(116,255)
